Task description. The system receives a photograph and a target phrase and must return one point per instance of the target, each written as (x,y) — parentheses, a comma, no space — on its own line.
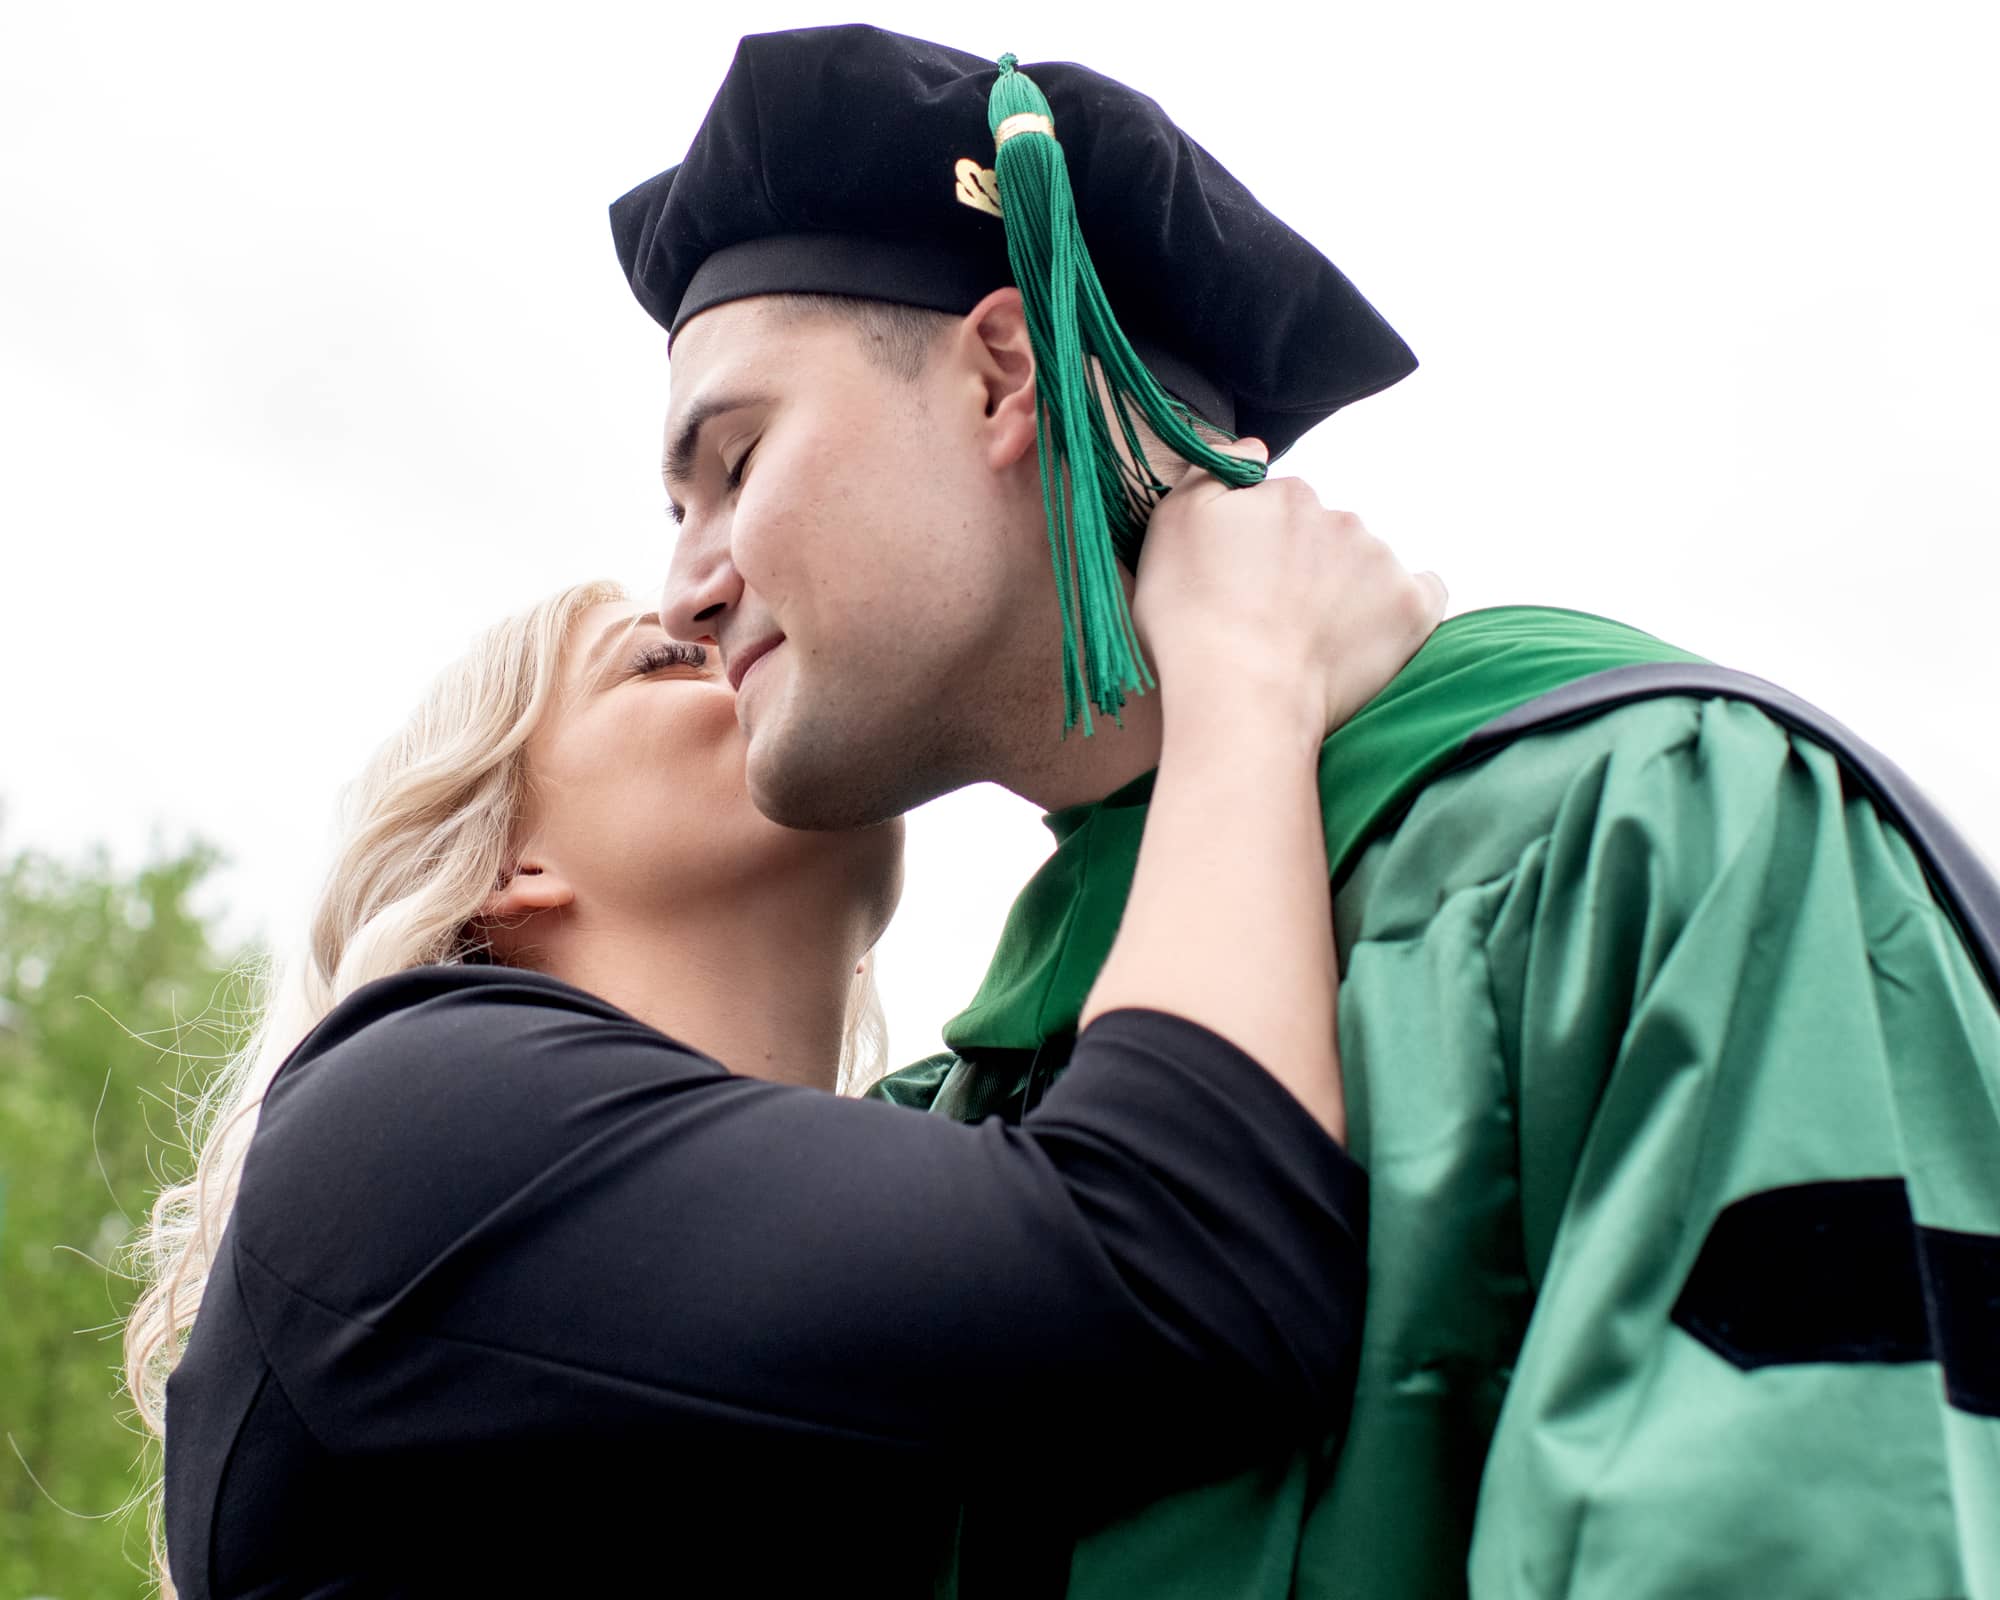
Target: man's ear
(525,890)
(994,343)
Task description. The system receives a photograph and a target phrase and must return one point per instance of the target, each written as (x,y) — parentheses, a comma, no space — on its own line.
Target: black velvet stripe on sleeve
(483,1207)
(1839,1271)
(1810,1272)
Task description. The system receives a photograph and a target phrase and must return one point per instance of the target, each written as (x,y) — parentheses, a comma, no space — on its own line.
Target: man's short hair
(899,339)
(896,338)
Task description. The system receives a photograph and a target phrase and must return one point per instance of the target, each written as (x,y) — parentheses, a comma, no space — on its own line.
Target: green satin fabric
(1594,989)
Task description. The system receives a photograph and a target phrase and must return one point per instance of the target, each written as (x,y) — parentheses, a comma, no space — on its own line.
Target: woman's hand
(1263,595)
(1270,620)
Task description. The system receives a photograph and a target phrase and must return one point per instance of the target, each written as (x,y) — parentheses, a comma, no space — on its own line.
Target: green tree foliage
(114,1004)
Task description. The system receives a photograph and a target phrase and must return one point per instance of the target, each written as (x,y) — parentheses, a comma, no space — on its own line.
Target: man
(1667,1010)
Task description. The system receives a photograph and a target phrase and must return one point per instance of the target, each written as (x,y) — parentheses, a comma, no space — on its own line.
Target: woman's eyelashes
(664,653)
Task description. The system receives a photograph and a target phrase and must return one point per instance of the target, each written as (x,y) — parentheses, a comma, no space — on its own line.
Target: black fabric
(1964,885)
(1009,1550)
(1047,1063)
(850,137)
(1962,1277)
(1810,1272)
(520,1296)
(1840,1271)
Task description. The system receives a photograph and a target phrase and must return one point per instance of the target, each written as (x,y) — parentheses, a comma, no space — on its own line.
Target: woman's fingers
(1302,602)
(1199,483)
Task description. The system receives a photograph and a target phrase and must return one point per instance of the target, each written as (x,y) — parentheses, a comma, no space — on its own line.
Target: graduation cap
(854,161)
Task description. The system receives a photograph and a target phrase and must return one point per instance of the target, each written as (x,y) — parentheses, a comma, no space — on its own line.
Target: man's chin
(795,798)
(834,773)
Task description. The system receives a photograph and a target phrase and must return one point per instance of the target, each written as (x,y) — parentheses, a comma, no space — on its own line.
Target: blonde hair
(425,833)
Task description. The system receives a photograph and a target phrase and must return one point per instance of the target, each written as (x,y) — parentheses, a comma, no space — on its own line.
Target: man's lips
(748,657)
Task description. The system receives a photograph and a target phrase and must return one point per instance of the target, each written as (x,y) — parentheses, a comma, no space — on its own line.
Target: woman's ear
(993,341)
(525,890)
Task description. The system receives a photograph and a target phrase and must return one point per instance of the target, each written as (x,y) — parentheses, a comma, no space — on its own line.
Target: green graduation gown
(1675,1065)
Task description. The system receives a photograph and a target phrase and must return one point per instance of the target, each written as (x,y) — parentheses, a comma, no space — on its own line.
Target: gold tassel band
(1023,122)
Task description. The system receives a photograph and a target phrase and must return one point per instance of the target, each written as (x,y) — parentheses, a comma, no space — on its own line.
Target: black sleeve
(482,1203)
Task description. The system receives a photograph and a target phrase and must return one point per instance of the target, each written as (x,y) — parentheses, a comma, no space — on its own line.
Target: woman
(515,1289)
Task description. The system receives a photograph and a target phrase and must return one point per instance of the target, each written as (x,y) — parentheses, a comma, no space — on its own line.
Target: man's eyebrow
(680,454)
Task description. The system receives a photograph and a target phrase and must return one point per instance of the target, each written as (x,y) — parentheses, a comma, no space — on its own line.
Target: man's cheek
(772,564)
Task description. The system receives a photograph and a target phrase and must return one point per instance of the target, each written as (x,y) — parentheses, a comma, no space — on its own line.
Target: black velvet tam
(842,161)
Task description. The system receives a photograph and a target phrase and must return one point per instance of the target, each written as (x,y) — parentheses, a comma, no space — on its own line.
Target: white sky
(315,358)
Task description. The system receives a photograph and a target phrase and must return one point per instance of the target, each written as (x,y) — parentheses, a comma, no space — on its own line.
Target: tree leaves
(115,1003)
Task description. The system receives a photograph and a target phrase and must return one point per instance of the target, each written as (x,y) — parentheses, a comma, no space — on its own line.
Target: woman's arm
(481,1202)
(1270,620)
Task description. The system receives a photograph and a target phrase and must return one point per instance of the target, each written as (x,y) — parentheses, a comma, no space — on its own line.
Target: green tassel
(1097,500)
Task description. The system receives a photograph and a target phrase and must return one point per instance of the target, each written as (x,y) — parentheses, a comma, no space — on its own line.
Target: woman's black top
(520,1296)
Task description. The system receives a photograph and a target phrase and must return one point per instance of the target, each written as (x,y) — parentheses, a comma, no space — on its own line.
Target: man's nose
(702,582)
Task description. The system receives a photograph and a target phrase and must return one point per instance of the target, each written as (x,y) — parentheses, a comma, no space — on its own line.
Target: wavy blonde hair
(425,832)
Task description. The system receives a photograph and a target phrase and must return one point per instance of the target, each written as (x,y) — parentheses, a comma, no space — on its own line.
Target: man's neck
(1058,772)
(1017,726)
